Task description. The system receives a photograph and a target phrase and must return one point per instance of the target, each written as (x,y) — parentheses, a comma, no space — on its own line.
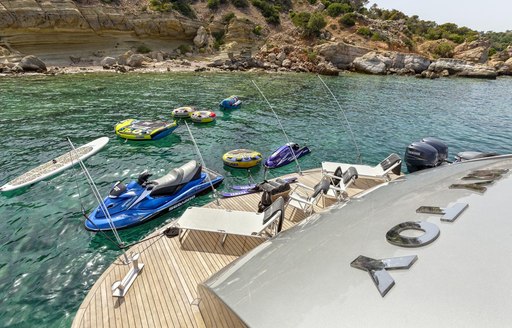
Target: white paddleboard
(56,165)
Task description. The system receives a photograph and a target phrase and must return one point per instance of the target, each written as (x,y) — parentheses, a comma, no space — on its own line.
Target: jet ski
(144,199)
(285,155)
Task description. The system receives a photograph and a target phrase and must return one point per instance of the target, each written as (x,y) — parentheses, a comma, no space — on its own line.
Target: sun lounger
(392,163)
(230,222)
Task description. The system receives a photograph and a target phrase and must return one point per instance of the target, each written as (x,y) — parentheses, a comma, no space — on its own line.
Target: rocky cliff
(88,32)
(53,29)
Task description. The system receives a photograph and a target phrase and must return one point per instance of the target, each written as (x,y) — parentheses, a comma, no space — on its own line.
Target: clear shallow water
(48,261)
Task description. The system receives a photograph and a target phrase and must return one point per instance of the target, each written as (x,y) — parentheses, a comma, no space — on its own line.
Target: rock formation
(32,64)
(340,54)
(463,68)
(201,38)
(391,62)
(476,51)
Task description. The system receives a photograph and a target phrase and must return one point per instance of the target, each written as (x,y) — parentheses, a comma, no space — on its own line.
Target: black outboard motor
(420,155)
(440,146)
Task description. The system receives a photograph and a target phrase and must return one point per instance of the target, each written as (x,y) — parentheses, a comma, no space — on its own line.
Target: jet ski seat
(174,180)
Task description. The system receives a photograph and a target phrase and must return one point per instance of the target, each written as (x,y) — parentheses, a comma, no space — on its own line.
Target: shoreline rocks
(463,68)
(391,63)
(284,58)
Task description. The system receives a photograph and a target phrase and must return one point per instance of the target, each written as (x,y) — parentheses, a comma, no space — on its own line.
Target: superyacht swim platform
(165,294)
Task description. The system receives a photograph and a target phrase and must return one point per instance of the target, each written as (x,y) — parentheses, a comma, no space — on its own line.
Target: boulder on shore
(463,68)
(136,60)
(108,62)
(372,63)
(476,51)
(391,62)
(327,68)
(201,38)
(32,64)
(340,54)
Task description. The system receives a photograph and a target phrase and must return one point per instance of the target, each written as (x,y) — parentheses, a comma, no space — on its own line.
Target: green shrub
(376,36)
(240,3)
(312,56)
(312,2)
(315,24)
(257,30)
(455,38)
(364,31)
(310,24)
(492,52)
(336,9)
(349,19)
(300,19)
(184,48)
(184,8)
(218,35)
(443,50)
(213,4)
(228,17)
(143,49)
(268,10)
(409,43)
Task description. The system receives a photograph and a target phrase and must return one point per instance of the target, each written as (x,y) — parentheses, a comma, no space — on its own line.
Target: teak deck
(165,292)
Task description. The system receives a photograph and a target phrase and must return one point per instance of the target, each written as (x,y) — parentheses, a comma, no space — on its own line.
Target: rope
(250,178)
(215,194)
(82,208)
(346,119)
(97,195)
(282,128)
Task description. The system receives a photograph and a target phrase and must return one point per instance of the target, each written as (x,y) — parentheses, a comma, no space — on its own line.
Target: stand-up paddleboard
(56,165)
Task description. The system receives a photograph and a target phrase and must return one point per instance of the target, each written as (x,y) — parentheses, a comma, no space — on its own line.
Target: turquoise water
(48,261)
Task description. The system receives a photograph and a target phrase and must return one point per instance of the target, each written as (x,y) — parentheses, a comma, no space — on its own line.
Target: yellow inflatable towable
(203,116)
(132,129)
(183,112)
(242,158)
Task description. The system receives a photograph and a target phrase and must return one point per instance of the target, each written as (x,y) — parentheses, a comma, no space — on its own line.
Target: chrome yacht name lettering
(450,213)
(378,269)
(431,232)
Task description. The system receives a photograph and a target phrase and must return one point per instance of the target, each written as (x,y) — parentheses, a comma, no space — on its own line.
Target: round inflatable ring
(203,116)
(242,158)
(183,112)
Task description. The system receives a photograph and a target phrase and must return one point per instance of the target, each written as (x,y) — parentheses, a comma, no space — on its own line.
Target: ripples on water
(48,261)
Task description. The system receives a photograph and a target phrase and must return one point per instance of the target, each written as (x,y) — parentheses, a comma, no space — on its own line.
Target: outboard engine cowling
(440,146)
(419,156)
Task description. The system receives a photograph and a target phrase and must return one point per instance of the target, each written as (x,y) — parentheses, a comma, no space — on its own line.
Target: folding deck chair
(392,163)
(304,198)
(228,222)
(339,182)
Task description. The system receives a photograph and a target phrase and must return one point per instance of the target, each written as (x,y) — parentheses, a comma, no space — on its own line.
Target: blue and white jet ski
(142,200)
(285,155)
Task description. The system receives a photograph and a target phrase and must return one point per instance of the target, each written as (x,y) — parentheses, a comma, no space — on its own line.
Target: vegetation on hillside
(499,41)
(181,6)
(310,24)
(373,23)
